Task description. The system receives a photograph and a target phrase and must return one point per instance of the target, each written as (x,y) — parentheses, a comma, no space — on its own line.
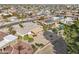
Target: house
(1,18)
(6,39)
(27,28)
(36,30)
(2,34)
(48,21)
(67,20)
(13,19)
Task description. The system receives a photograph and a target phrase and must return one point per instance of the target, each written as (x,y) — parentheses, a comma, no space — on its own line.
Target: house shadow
(58,42)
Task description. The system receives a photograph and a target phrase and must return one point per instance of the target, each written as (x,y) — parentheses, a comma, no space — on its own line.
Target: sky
(39,1)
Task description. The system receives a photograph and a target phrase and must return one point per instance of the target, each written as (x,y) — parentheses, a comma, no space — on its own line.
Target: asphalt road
(58,42)
(15,23)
